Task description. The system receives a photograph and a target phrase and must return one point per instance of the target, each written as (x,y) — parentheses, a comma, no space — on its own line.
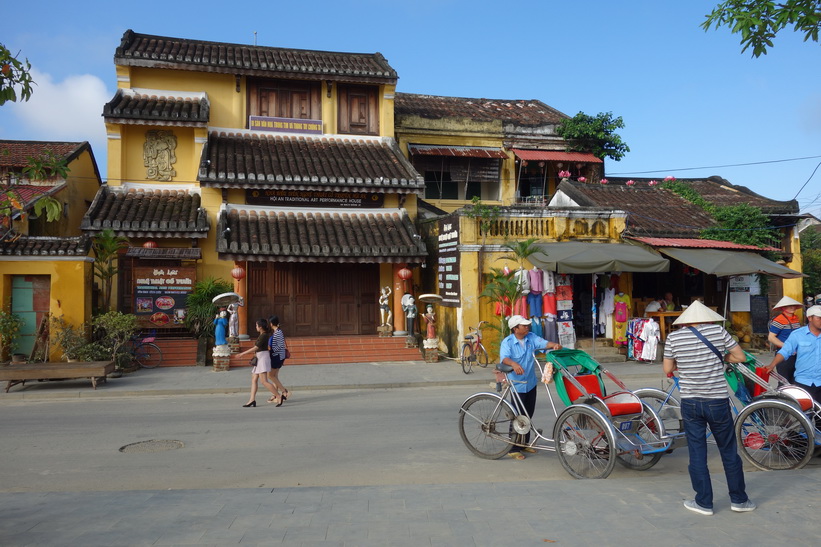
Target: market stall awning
(583,257)
(725,263)
(457,151)
(555,155)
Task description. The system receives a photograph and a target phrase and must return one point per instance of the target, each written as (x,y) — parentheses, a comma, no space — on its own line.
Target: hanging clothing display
(621,314)
(650,334)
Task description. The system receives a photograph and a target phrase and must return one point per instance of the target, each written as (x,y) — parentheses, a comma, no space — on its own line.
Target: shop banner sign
(285,125)
(448,267)
(160,294)
(300,198)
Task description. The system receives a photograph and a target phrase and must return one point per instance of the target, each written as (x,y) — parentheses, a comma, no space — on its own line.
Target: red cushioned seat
(618,404)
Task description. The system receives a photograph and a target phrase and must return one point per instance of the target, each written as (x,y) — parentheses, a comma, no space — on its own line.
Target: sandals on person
(529,450)
(516,455)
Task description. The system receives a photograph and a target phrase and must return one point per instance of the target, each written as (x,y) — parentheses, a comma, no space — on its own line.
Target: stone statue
(384,306)
(430,317)
(220,328)
(159,155)
(409,307)
(233,320)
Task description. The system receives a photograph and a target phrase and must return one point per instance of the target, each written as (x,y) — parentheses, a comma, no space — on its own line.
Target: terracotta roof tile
(519,112)
(185,54)
(27,194)
(146,213)
(16,245)
(252,160)
(16,154)
(162,106)
(366,236)
(689,243)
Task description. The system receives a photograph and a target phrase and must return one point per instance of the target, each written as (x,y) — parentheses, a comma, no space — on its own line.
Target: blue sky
(689,99)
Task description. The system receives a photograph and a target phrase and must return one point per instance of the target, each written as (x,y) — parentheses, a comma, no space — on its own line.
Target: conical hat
(697,313)
(786,301)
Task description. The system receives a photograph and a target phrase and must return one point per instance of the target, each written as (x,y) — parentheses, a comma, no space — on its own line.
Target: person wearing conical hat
(705,401)
(805,344)
(781,327)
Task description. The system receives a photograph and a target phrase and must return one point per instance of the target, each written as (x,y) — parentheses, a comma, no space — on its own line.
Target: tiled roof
(146,213)
(519,112)
(16,154)
(27,194)
(17,245)
(268,62)
(457,151)
(652,211)
(179,253)
(362,236)
(689,243)
(161,107)
(556,155)
(253,160)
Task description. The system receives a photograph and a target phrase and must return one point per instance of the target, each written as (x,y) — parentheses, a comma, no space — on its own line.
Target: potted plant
(68,337)
(10,325)
(199,318)
(112,331)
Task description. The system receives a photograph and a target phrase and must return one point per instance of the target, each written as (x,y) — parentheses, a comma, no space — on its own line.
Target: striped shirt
(276,344)
(783,325)
(701,372)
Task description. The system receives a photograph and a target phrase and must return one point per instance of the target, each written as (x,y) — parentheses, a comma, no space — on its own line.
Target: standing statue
(220,328)
(384,306)
(409,307)
(430,317)
(233,320)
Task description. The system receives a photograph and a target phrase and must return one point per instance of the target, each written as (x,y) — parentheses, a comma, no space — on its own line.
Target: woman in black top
(260,371)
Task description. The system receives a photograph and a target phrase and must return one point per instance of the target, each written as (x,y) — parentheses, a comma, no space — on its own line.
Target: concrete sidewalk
(377,375)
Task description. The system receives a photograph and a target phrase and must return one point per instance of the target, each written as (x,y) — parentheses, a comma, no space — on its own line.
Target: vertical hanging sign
(448,270)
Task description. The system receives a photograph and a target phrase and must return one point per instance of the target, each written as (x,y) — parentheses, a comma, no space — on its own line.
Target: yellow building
(44,266)
(278,162)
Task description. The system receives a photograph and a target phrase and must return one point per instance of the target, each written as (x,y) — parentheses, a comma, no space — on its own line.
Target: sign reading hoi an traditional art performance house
(285,125)
(448,267)
(160,294)
(304,198)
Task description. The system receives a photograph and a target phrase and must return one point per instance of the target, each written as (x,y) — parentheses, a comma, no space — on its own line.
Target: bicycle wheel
(482,358)
(485,423)
(468,357)
(666,406)
(646,430)
(774,435)
(148,355)
(584,443)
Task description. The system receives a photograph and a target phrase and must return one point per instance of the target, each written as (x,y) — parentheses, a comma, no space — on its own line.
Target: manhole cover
(152,446)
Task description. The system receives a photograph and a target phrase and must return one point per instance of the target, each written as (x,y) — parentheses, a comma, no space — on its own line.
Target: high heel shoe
(252,403)
(285,395)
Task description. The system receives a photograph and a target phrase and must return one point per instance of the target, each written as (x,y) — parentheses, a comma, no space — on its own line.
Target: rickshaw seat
(764,374)
(618,404)
(799,395)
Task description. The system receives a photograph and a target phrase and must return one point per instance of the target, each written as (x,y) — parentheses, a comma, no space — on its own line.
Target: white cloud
(69,110)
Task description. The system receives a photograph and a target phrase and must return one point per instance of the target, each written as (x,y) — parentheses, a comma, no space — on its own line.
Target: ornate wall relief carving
(159,155)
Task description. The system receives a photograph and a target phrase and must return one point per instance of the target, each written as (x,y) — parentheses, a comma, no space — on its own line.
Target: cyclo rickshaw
(592,432)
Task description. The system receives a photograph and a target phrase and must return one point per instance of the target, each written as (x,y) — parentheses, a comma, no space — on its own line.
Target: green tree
(15,77)
(594,134)
(758,21)
(106,246)
(811,257)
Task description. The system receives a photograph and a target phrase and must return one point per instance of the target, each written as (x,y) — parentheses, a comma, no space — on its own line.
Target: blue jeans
(697,414)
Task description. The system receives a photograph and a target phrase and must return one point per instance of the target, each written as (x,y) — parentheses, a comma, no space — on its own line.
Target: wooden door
(315,299)
(30,300)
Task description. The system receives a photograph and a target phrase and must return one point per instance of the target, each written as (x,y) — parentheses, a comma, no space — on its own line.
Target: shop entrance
(314,299)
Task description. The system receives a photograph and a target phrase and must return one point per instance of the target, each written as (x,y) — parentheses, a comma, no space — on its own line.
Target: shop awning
(726,263)
(457,151)
(583,257)
(555,155)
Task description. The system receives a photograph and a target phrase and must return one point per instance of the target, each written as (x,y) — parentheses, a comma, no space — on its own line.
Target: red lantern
(238,273)
(150,245)
(404,274)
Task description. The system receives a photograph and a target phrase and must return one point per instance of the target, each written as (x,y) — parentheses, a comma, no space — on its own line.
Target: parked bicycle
(473,352)
(144,351)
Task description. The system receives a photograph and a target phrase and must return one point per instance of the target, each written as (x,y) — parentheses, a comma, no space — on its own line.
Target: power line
(716,166)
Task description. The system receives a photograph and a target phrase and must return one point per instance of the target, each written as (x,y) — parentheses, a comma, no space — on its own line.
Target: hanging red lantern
(404,274)
(150,245)
(238,273)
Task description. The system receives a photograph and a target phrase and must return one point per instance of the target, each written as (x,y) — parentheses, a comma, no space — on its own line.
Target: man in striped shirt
(705,401)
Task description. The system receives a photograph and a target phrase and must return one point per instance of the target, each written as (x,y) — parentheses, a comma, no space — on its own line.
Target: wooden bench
(18,374)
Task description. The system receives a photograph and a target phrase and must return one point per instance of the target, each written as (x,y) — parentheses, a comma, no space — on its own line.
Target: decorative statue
(220,328)
(233,320)
(159,155)
(384,306)
(409,307)
(430,317)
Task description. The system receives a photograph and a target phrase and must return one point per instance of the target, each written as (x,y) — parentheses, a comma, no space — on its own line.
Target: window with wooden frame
(283,99)
(358,110)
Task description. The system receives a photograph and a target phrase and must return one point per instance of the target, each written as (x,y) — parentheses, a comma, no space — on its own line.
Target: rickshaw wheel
(774,436)
(648,431)
(485,424)
(584,443)
(668,409)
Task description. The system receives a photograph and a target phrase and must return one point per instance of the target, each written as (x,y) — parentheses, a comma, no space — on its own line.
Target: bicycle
(473,352)
(144,351)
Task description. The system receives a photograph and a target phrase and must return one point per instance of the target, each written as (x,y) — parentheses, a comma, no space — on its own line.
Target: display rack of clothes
(643,336)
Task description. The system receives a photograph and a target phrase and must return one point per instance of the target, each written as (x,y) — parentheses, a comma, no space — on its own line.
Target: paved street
(364,464)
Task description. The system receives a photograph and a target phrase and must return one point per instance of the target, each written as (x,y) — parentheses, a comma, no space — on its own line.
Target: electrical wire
(714,166)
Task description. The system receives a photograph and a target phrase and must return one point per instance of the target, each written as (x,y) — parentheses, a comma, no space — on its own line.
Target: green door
(30,295)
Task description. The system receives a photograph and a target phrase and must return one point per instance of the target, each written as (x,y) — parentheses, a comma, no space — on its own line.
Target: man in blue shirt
(805,344)
(519,351)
